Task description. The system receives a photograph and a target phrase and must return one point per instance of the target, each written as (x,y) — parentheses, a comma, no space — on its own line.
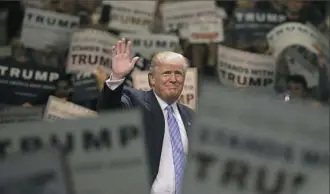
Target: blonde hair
(166,56)
(163,57)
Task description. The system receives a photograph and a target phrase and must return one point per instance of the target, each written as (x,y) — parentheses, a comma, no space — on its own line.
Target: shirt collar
(163,104)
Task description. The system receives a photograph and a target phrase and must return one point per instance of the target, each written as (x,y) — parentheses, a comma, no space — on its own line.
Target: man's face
(168,79)
(296,90)
(62,89)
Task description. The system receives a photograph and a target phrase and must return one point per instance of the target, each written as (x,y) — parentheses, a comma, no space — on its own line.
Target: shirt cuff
(113,84)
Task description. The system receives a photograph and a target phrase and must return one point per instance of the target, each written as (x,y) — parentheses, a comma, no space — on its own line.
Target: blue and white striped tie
(177,149)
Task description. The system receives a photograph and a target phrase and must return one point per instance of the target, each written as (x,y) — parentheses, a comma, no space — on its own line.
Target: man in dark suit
(166,120)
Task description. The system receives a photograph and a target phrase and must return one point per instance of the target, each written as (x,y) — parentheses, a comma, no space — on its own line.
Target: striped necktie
(177,149)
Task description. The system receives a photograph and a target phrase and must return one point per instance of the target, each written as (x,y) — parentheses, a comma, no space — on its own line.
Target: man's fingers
(113,51)
(118,46)
(134,60)
(129,49)
(122,46)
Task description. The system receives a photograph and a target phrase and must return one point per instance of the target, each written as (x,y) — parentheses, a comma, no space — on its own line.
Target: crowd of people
(250,38)
(71,58)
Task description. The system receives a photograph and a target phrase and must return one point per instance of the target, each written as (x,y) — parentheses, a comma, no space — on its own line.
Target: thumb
(134,60)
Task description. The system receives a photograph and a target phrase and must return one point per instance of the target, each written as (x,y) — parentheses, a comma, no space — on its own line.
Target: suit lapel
(155,126)
(153,106)
(185,117)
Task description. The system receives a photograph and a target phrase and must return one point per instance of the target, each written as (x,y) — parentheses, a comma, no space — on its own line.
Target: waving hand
(122,64)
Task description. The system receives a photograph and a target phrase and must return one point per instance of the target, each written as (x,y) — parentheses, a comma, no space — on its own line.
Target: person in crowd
(18,51)
(297,86)
(64,88)
(323,90)
(100,77)
(166,120)
(303,11)
(14,19)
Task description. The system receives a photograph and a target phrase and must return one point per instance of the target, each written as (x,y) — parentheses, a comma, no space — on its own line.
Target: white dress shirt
(165,180)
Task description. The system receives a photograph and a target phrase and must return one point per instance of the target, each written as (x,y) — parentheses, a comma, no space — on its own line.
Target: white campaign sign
(244,69)
(321,185)
(292,33)
(42,29)
(297,64)
(249,144)
(189,93)
(90,49)
(36,3)
(131,16)
(206,30)
(149,44)
(21,173)
(20,114)
(105,154)
(57,108)
(322,43)
(179,15)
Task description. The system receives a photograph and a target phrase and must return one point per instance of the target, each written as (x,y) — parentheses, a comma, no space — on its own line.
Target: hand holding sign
(121,59)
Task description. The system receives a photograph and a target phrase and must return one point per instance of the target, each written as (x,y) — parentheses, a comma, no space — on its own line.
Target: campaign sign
(105,154)
(244,143)
(57,108)
(44,171)
(85,87)
(24,82)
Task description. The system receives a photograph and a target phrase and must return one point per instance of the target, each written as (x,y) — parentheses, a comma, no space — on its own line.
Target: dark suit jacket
(124,97)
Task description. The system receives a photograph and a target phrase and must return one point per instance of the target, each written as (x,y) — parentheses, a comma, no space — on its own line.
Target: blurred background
(277,48)
(241,27)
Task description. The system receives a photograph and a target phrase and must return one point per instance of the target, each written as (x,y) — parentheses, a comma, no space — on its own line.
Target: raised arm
(112,95)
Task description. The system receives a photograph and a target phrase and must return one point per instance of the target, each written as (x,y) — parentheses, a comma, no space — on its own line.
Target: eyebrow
(181,71)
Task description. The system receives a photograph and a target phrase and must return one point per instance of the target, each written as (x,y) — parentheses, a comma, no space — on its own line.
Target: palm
(122,63)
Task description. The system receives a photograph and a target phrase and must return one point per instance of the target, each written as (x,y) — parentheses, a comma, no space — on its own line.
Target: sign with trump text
(294,33)
(131,16)
(44,171)
(42,28)
(57,108)
(244,143)
(19,114)
(90,49)
(105,154)
(244,69)
(178,15)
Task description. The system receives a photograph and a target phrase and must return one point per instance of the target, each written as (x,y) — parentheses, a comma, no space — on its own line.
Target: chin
(171,97)
(173,93)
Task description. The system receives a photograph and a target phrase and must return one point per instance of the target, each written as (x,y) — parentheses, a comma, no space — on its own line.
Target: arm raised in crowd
(323,87)
(113,95)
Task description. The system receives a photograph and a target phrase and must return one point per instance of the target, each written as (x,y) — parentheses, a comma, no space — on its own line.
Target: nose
(172,78)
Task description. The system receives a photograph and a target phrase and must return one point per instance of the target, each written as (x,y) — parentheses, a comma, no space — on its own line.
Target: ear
(151,80)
